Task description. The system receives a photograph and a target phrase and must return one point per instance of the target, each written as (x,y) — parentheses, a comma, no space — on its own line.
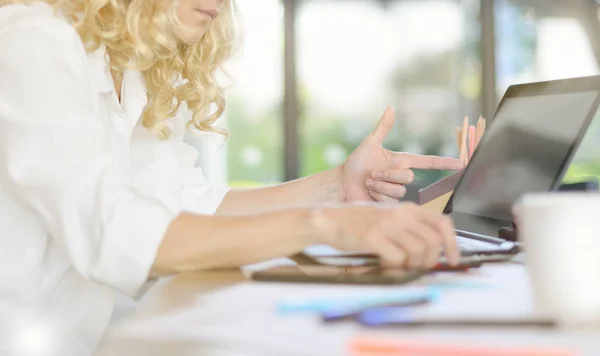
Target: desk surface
(223,313)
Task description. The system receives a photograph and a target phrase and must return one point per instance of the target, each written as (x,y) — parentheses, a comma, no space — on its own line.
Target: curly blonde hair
(137,35)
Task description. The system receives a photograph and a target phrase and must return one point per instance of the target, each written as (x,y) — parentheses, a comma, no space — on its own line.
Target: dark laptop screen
(525,150)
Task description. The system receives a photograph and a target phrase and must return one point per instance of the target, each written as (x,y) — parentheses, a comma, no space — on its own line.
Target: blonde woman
(98,193)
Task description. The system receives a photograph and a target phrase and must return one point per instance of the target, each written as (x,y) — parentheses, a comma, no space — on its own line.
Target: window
(254,116)
(422,56)
(354,57)
(538,40)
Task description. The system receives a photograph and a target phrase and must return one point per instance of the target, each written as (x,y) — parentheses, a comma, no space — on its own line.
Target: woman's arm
(199,242)
(370,173)
(400,235)
(324,187)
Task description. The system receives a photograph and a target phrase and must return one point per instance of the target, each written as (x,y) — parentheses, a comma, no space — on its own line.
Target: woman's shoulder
(37,47)
(36,23)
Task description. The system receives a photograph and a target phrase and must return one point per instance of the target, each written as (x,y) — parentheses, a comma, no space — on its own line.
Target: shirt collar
(133,94)
(133,90)
(100,70)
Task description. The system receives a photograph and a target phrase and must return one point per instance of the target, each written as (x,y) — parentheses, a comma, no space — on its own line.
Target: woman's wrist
(324,228)
(333,180)
(339,182)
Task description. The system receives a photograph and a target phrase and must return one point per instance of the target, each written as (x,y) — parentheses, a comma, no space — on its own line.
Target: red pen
(444,267)
(378,347)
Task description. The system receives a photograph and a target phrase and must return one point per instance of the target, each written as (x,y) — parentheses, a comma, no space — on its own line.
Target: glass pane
(541,40)
(254,117)
(355,57)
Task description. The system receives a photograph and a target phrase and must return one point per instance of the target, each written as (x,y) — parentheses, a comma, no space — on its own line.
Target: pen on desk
(463,323)
(458,284)
(341,313)
(401,317)
(358,302)
(373,347)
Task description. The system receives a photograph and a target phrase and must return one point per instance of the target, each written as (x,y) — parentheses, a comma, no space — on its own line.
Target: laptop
(527,148)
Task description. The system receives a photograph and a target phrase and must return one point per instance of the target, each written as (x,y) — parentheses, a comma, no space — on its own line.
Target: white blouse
(86,193)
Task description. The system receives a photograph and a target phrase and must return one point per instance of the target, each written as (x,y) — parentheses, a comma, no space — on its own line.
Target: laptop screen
(524,150)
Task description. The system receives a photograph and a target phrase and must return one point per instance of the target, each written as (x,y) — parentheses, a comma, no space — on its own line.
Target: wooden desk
(222,313)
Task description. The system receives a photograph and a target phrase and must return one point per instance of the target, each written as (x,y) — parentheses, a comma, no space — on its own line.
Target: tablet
(369,275)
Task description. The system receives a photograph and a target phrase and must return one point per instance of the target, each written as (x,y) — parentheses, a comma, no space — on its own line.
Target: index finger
(431,162)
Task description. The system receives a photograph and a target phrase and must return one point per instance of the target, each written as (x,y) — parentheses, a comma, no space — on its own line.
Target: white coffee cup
(560,233)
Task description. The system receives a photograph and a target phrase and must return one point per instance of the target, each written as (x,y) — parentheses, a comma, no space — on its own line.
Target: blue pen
(357,303)
(459,284)
(341,313)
